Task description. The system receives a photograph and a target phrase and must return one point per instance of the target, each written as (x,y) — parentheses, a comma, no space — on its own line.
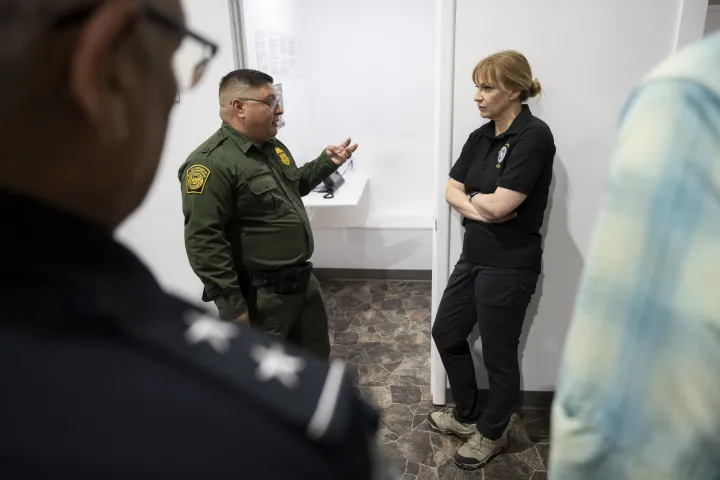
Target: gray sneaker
(478,451)
(444,422)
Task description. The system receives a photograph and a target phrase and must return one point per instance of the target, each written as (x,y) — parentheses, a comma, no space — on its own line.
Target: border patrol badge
(196,178)
(282,155)
(502,154)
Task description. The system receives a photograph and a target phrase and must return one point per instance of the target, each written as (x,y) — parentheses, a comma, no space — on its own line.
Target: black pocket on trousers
(503,288)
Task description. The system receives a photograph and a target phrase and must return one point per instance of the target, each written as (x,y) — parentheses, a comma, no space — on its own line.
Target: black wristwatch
(472,195)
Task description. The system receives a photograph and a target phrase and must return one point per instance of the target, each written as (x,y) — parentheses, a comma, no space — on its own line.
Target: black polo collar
(515,127)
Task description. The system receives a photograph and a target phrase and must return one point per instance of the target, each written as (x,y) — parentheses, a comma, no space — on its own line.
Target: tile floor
(382,330)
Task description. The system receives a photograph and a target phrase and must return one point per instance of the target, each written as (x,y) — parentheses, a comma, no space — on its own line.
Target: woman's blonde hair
(508,70)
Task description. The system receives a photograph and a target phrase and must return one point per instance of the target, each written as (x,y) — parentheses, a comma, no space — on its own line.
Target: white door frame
(444,98)
(235,8)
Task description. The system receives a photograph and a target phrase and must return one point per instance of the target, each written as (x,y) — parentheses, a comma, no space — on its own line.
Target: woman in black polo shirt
(500,185)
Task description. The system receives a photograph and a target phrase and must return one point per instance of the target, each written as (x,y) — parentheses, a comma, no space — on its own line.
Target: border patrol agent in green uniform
(247,233)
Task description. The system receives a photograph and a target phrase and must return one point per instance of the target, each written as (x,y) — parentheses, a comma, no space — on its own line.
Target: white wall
(712,22)
(588,55)
(367,71)
(155,231)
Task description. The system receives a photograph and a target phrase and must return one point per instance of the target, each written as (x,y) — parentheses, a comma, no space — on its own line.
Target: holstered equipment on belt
(287,280)
(243,281)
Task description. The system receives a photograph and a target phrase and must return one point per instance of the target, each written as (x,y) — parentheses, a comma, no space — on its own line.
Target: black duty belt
(286,280)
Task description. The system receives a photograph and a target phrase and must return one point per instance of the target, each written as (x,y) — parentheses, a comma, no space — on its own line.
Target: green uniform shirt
(243,211)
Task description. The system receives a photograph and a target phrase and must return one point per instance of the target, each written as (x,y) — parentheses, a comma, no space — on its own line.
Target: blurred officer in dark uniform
(247,233)
(103,374)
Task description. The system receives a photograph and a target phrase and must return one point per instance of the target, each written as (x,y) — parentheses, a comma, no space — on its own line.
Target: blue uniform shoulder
(305,393)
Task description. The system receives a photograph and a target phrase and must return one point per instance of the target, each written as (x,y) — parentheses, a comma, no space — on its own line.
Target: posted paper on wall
(277,55)
(279,90)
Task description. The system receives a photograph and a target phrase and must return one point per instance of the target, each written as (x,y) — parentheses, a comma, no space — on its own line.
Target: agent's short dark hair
(245,78)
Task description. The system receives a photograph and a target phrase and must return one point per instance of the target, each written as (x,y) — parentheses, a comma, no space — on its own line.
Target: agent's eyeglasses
(272,103)
(190,60)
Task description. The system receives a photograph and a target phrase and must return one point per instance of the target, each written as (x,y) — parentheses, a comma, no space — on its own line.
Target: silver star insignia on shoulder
(204,328)
(273,362)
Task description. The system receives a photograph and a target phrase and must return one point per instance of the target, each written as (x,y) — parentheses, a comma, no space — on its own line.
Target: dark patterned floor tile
(394,455)
(531,457)
(417,448)
(418,420)
(449,471)
(391,305)
(539,476)
(377,297)
(418,315)
(507,467)
(427,473)
(444,447)
(544,452)
(371,375)
(378,287)
(391,367)
(338,325)
(405,395)
(359,357)
(378,396)
(518,440)
(415,303)
(531,416)
(339,352)
(371,318)
(366,337)
(424,408)
(364,307)
(345,338)
(346,302)
(390,329)
(408,380)
(539,430)
(413,342)
(398,419)
(382,354)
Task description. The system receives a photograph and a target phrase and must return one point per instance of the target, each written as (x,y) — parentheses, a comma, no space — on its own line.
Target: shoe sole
(480,465)
(437,429)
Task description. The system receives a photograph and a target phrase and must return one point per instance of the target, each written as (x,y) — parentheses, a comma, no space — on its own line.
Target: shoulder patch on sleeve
(195,179)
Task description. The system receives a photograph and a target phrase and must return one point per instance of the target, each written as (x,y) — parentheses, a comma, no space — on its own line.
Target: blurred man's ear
(96,68)
(238,108)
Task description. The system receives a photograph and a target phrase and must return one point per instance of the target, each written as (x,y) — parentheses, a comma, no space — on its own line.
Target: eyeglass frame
(264,102)
(154,16)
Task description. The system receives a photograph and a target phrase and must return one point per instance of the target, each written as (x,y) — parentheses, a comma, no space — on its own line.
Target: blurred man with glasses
(247,233)
(104,374)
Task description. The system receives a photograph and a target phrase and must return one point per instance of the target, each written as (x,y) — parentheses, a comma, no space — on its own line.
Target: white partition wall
(587,55)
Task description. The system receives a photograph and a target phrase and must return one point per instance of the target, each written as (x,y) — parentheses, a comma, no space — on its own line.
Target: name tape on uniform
(196,178)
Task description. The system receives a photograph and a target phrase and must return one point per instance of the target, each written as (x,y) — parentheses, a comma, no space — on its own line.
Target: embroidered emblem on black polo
(502,154)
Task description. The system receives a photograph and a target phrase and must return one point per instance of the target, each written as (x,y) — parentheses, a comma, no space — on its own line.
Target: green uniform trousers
(300,318)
